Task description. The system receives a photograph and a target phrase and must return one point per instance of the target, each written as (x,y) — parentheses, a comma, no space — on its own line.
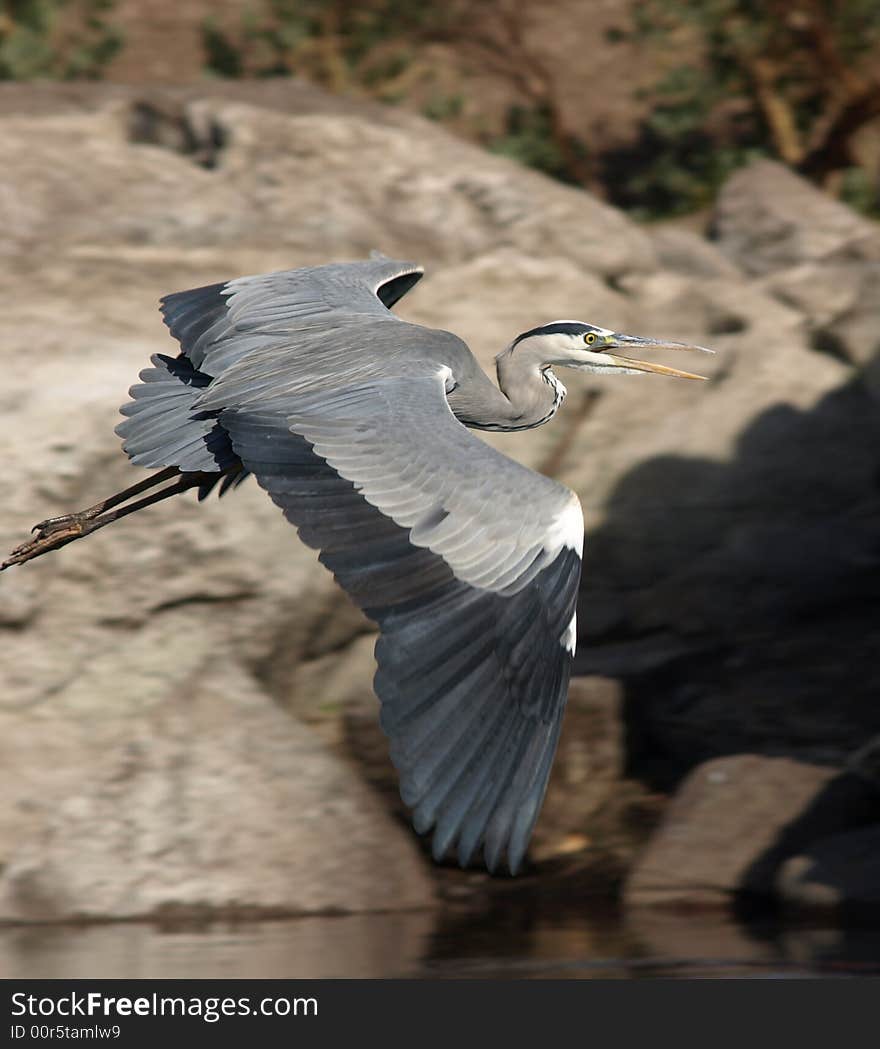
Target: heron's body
(350,418)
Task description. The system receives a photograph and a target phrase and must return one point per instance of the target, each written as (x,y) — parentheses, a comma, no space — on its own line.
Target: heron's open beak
(634,343)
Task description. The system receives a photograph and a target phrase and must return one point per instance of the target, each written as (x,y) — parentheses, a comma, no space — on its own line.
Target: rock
(714,308)
(698,940)
(78,181)
(199,798)
(686,252)
(865,762)
(841,301)
(840,873)
(729,558)
(733,821)
(815,254)
(767,218)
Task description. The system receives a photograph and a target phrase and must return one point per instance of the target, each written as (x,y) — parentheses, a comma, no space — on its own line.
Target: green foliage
(441,107)
(743,78)
(528,138)
(335,42)
(58,39)
(861,192)
(758,77)
(222,58)
(676,164)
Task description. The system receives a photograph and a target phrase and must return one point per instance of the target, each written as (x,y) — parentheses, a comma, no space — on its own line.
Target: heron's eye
(590,338)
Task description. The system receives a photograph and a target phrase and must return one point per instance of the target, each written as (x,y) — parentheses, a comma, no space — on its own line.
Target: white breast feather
(566,530)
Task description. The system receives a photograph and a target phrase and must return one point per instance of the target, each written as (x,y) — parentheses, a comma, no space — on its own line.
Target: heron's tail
(162,428)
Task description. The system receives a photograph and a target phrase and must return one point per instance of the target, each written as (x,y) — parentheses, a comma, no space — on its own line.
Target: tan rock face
(750,824)
(816,256)
(195,795)
(767,218)
(724,817)
(79,180)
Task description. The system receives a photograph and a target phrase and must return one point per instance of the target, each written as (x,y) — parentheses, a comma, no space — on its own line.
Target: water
(504,941)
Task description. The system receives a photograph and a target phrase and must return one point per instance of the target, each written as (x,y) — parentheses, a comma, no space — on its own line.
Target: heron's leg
(58,531)
(106,504)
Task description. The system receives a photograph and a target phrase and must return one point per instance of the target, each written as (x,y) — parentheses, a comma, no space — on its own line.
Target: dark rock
(840,873)
(756,569)
(865,762)
(735,820)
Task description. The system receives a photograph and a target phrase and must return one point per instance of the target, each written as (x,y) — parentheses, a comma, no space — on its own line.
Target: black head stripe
(557,328)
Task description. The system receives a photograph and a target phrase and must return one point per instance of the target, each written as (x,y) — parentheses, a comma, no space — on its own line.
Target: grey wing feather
(163,428)
(219,325)
(495,522)
(416,518)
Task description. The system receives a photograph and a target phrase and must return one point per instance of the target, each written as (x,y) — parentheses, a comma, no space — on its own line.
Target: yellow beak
(626,341)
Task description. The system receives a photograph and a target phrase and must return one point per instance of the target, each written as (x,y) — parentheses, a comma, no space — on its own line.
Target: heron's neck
(532,391)
(527,395)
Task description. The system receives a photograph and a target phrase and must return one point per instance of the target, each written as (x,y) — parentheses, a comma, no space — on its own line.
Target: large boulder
(295,188)
(841,303)
(729,530)
(814,254)
(686,252)
(733,823)
(729,538)
(767,218)
(196,795)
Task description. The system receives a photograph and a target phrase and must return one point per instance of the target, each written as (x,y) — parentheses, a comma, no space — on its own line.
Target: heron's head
(574,344)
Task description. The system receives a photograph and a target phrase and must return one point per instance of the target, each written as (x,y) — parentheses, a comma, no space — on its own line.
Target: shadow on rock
(737,601)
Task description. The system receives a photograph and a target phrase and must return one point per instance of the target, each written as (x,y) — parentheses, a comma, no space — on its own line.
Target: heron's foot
(51,534)
(57,531)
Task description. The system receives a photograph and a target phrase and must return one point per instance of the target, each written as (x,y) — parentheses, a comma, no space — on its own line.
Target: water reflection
(503,941)
(353,946)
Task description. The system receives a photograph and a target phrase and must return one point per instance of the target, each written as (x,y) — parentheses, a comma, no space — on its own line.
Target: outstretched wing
(219,324)
(469,563)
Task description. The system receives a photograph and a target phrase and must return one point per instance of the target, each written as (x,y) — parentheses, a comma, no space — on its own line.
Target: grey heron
(356,423)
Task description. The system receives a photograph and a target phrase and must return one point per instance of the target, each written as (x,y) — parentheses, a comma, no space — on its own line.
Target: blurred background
(187,731)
